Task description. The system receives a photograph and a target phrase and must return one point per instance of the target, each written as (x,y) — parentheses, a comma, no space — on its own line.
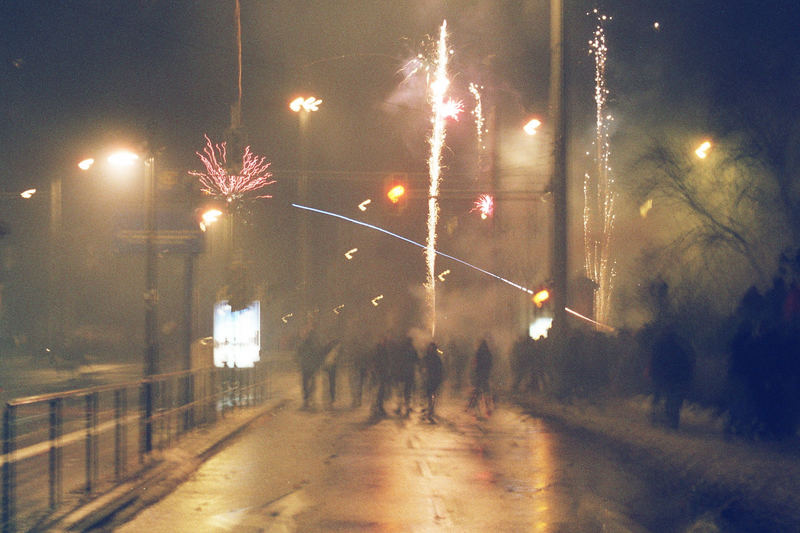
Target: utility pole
(150,297)
(558,185)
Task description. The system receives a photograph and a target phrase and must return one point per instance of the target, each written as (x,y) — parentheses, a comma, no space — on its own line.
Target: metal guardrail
(79,440)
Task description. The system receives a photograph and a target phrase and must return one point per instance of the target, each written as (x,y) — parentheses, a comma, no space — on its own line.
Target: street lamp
(304,106)
(702,150)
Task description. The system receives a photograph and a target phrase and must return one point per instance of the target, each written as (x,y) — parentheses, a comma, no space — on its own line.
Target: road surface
(335,469)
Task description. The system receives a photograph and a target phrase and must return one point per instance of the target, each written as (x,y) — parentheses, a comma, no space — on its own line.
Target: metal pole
(54,323)
(302,194)
(151,295)
(559,178)
(9,466)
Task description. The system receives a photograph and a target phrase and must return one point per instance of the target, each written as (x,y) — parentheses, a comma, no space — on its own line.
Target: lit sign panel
(237,335)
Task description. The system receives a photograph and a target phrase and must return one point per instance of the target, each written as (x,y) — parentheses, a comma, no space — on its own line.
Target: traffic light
(396,192)
(540,297)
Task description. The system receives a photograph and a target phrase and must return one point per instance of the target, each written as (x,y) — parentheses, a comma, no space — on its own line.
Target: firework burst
(484,205)
(218,181)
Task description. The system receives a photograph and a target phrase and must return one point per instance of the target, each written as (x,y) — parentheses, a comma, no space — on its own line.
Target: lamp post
(559,178)
(304,106)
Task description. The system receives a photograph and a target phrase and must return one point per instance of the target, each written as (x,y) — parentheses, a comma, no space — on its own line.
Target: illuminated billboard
(237,335)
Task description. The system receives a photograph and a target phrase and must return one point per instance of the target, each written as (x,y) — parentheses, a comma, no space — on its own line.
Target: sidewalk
(757,476)
(168,469)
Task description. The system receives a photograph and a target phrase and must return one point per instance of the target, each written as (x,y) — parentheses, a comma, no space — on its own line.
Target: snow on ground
(763,475)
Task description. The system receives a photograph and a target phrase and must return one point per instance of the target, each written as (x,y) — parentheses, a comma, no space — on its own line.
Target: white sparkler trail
(438,89)
(599,196)
(456,259)
(477,112)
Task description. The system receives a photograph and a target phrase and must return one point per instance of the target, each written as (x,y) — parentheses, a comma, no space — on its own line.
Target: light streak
(420,245)
(285,318)
(415,243)
(86,164)
(28,193)
(443,274)
(217,181)
(349,253)
(363,205)
(338,309)
(438,88)
(587,319)
(484,205)
(598,189)
(477,112)
(702,150)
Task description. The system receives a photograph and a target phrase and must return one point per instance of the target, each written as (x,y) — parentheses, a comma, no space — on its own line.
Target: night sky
(79,76)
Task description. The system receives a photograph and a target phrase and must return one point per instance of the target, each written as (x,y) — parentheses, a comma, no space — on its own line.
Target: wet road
(335,470)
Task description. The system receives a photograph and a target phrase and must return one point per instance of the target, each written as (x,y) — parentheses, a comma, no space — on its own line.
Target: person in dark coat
(381,375)
(480,378)
(405,360)
(309,361)
(434,374)
(671,372)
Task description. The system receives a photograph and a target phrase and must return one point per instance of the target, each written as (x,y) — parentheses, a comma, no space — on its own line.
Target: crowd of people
(399,377)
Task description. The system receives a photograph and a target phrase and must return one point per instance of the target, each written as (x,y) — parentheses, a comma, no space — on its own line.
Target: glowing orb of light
(541,297)
(532,126)
(702,150)
(395,193)
(123,158)
(27,193)
(86,164)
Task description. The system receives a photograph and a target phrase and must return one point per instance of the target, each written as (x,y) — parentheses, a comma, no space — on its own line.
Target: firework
(338,309)
(349,253)
(363,205)
(285,318)
(443,274)
(438,88)
(477,112)
(484,205)
(599,195)
(377,299)
(219,182)
(452,108)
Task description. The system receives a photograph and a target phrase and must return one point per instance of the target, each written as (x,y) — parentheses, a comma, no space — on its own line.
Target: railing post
(91,444)
(9,481)
(56,429)
(120,433)
(147,418)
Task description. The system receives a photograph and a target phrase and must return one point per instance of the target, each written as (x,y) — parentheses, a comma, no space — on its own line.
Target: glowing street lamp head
(86,164)
(532,126)
(702,150)
(305,104)
(123,158)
